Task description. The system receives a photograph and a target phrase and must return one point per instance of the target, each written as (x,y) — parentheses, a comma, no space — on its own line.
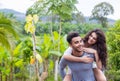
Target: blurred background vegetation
(35,56)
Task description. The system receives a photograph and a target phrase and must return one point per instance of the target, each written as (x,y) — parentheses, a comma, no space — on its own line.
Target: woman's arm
(67,55)
(85,59)
(98,61)
(93,51)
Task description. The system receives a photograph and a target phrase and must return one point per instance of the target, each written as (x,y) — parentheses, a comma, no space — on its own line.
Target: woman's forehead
(94,34)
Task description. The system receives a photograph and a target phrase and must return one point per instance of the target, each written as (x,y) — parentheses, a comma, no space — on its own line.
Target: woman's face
(92,38)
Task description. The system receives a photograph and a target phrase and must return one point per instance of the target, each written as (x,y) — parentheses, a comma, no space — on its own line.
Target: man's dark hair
(72,35)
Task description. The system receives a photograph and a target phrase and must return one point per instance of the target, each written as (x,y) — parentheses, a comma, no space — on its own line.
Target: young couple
(78,57)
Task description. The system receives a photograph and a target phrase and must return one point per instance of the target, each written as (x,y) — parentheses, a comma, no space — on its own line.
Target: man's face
(77,44)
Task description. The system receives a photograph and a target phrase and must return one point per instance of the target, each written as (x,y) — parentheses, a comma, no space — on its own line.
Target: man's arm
(62,66)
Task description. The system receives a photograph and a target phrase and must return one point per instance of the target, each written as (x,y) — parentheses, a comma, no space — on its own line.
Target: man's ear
(70,45)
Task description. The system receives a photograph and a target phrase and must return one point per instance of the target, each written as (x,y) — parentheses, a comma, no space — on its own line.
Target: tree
(7,35)
(30,27)
(113,40)
(101,11)
(78,17)
(62,8)
(6,30)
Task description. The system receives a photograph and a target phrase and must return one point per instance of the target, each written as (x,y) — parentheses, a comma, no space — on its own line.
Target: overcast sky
(85,6)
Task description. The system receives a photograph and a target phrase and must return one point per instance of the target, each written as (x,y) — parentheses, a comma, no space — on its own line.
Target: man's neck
(77,54)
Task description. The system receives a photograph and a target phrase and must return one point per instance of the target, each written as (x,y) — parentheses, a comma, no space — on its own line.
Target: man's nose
(80,43)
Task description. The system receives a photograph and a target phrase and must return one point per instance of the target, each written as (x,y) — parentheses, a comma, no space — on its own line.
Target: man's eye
(81,40)
(76,42)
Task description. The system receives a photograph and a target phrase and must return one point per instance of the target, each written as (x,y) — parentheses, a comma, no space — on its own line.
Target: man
(80,71)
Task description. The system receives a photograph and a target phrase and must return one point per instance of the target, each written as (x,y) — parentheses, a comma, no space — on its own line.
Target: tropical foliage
(6,30)
(35,55)
(114,50)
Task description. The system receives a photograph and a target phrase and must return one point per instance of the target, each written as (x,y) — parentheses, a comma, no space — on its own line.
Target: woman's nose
(91,38)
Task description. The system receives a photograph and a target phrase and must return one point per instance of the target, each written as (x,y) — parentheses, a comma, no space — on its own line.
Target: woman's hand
(89,50)
(93,51)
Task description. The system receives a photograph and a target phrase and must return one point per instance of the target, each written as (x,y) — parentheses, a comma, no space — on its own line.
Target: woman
(96,40)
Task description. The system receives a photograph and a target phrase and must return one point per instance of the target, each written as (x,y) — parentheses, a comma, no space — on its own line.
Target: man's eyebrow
(81,38)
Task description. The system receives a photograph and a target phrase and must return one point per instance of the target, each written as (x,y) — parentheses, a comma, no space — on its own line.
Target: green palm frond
(3,40)
(6,24)
(6,31)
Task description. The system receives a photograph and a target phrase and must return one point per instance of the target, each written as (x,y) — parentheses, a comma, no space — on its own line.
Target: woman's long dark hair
(100,45)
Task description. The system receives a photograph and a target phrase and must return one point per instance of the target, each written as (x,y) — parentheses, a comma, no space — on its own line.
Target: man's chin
(80,50)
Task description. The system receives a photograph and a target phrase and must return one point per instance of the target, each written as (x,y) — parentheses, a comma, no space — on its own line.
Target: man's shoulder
(62,59)
(88,54)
